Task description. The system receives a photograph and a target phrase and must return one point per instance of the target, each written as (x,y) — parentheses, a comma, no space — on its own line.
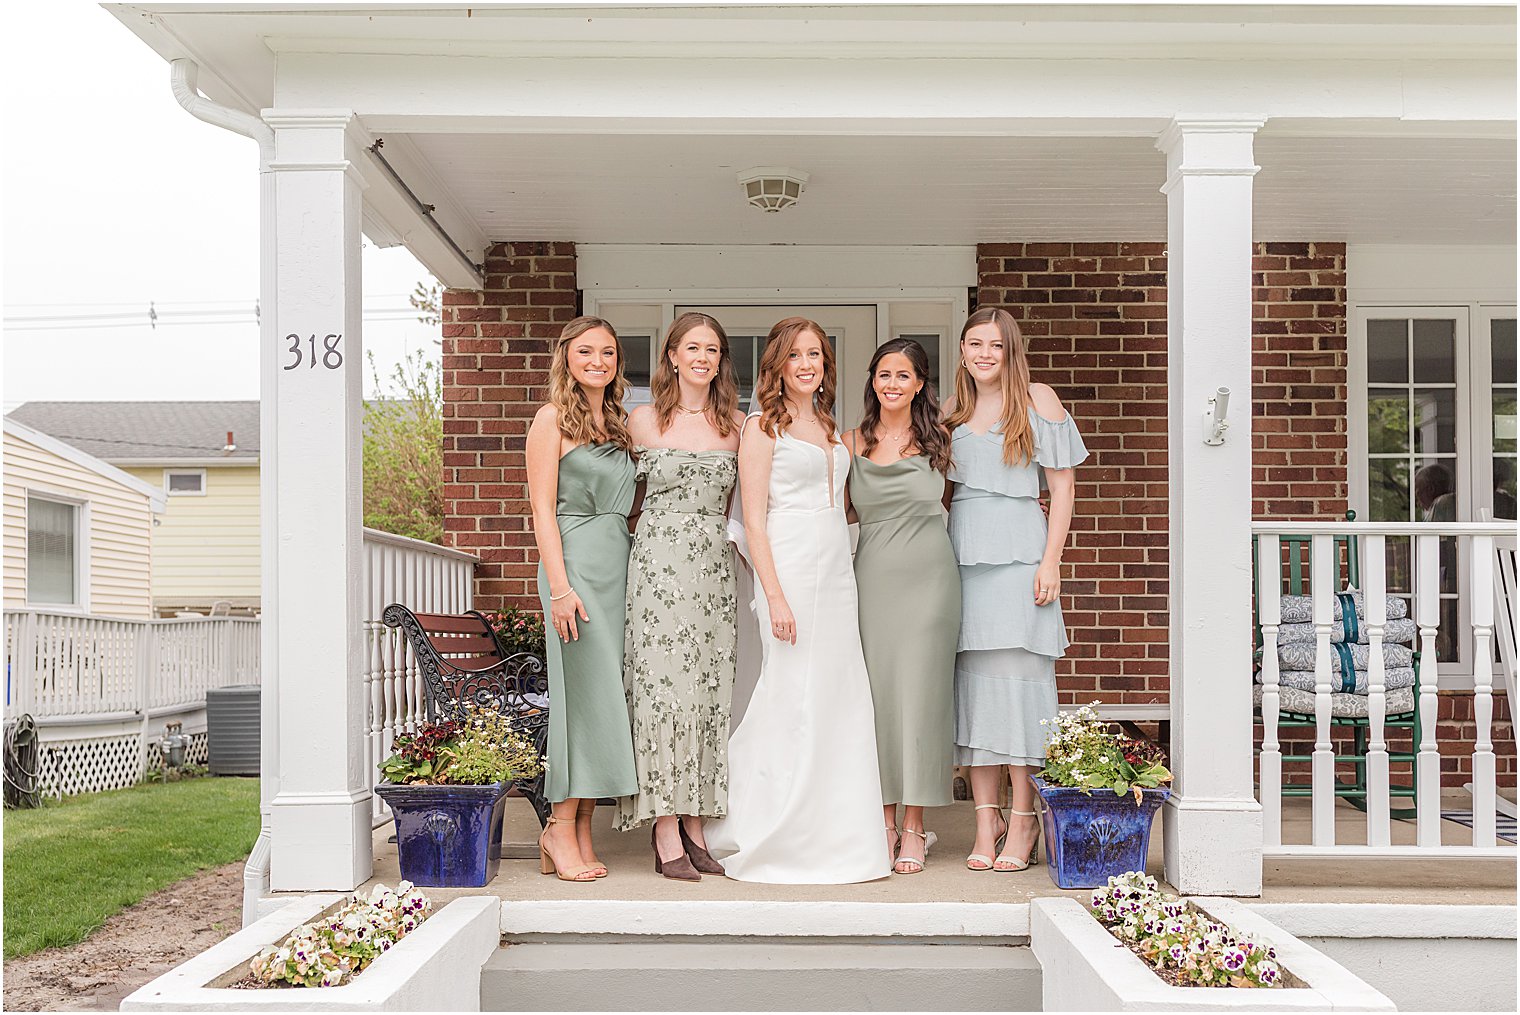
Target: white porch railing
(1474,545)
(426,578)
(100,687)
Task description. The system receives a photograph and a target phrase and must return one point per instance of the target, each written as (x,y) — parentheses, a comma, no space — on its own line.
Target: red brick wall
(1095,318)
(495,367)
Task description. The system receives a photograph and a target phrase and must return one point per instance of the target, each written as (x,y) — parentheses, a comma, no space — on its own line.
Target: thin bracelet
(555,599)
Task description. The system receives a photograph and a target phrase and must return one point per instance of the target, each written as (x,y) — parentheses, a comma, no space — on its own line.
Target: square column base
(1213,847)
(322,842)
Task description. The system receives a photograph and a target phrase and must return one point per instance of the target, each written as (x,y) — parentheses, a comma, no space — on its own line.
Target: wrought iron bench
(462,661)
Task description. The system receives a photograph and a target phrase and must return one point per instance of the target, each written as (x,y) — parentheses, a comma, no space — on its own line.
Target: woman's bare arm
(755,454)
(543,454)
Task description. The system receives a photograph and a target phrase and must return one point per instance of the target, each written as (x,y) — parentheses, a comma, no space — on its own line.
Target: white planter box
(1088,969)
(434,968)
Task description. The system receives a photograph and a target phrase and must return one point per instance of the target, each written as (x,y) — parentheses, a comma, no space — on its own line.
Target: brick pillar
(1298,367)
(495,370)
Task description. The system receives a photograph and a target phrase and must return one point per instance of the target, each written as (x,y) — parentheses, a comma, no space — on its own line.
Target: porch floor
(946,879)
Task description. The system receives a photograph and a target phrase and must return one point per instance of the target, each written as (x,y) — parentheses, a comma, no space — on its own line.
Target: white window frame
(1473,366)
(81,508)
(185,472)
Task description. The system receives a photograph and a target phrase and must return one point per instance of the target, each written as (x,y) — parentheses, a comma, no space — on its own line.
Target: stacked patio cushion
(1297,644)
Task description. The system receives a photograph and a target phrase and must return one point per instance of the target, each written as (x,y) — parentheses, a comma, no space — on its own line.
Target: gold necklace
(691,412)
(903,439)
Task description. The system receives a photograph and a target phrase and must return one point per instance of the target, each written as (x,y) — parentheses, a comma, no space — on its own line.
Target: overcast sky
(114,198)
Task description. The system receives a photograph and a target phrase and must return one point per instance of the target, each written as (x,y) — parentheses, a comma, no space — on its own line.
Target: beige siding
(120,529)
(207,548)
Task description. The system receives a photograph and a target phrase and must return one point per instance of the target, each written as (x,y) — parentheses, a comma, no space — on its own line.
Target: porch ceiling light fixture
(772,188)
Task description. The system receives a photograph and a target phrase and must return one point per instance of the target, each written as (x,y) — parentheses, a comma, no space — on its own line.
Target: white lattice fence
(90,765)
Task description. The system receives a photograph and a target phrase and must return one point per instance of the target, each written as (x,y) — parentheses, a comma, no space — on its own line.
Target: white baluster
(1269,605)
(1322,589)
(1374,585)
(1484,764)
(1427,609)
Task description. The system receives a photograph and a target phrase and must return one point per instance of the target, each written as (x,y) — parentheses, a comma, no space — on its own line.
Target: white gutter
(183,75)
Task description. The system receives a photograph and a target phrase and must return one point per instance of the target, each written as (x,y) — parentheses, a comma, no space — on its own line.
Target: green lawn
(70,865)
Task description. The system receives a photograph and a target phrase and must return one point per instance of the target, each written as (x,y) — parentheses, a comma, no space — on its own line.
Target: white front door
(851,331)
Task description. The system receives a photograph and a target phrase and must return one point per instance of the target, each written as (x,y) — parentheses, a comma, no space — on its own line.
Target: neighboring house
(205,458)
(78,531)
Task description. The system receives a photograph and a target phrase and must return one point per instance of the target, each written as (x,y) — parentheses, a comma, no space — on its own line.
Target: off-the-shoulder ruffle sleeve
(1058,445)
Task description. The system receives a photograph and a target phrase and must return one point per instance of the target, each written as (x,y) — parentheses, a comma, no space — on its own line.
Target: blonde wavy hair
(770,389)
(1018,435)
(722,390)
(569,399)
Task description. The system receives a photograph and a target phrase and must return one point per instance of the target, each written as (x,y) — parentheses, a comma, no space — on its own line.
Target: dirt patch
(134,946)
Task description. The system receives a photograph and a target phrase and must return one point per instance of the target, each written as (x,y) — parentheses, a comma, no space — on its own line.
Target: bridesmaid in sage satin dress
(910,590)
(580,487)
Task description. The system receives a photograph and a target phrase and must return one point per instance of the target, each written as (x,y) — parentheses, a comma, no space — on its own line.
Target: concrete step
(817,975)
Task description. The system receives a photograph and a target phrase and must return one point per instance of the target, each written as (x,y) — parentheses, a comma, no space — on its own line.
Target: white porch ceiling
(646,188)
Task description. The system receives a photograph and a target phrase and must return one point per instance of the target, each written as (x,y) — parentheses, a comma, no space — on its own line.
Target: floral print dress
(680,644)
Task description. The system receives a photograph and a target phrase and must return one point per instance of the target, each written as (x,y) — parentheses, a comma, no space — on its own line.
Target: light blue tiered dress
(1005,666)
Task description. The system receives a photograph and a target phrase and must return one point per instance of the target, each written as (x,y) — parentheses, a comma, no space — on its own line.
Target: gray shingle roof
(147,431)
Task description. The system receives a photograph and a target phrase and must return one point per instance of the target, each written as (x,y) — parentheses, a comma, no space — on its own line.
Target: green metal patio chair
(1354,792)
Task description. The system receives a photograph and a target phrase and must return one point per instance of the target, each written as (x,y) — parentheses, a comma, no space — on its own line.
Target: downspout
(183,76)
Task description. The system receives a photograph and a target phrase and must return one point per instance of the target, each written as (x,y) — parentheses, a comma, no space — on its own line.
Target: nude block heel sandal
(546,864)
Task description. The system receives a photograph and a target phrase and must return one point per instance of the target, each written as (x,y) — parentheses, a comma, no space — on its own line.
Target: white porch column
(312,376)
(1213,821)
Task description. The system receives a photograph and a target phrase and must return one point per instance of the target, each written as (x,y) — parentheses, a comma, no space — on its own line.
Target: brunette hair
(1018,435)
(722,390)
(770,389)
(930,435)
(567,396)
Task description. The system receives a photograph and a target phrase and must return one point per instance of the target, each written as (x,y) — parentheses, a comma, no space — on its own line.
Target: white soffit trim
(157,499)
(654,267)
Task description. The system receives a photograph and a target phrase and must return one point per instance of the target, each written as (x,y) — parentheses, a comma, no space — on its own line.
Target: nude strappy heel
(1034,849)
(918,865)
(984,860)
(546,864)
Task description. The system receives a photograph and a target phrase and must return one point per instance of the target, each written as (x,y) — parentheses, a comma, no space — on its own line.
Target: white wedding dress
(804,793)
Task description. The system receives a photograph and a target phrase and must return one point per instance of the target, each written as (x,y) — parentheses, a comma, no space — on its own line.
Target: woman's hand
(1047,584)
(563,613)
(783,624)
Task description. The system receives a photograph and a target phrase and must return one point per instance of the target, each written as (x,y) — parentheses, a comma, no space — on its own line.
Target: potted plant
(519,631)
(1101,790)
(446,785)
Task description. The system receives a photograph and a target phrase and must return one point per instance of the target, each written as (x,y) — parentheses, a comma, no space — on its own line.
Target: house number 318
(330,356)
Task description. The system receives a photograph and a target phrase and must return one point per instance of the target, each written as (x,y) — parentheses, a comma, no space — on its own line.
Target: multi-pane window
(1413,467)
(1502,399)
(52,571)
(1440,438)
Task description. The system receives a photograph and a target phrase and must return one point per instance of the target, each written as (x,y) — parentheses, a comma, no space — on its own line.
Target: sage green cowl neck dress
(590,746)
(910,618)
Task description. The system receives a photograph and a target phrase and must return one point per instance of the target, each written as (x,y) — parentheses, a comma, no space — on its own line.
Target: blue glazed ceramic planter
(448,836)
(1091,837)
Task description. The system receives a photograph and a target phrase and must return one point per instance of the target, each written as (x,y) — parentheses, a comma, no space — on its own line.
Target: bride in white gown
(804,795)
